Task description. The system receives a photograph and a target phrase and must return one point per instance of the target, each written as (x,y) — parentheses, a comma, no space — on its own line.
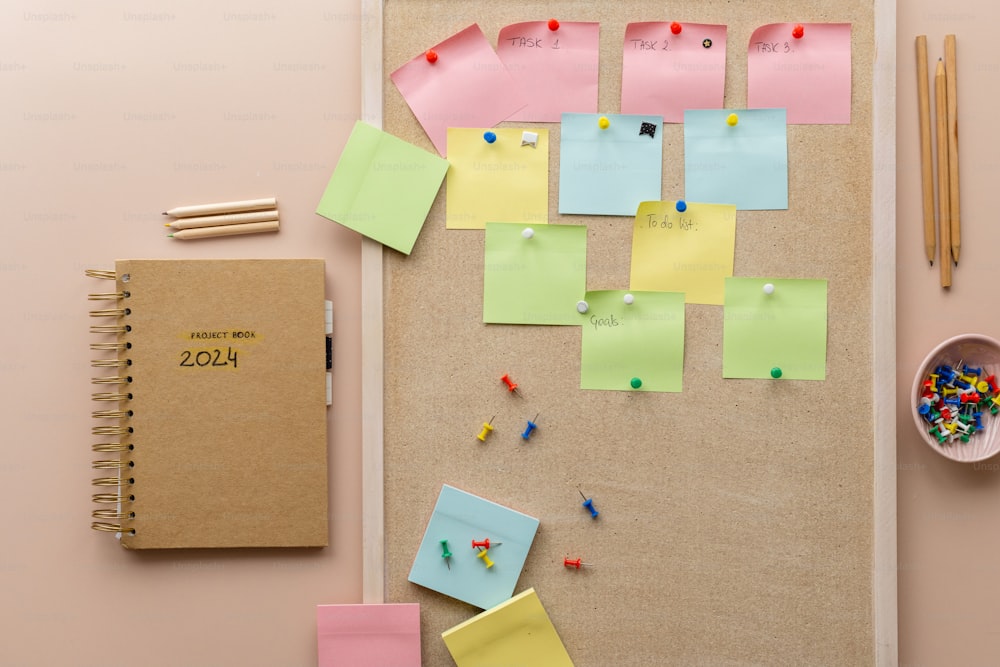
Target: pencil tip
(170,236)
(164,213)
(932,262)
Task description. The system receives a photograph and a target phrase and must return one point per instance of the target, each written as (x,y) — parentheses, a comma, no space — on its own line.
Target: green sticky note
(534,274)
(784,330)
(383,187)
(632,347)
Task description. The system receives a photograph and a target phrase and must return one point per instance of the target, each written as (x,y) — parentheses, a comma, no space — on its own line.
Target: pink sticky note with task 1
(804,68)
(668,67)
(368,635)
(556,62)
(463,84)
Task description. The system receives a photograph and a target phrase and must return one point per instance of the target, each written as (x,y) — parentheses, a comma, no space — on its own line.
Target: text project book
(211,415)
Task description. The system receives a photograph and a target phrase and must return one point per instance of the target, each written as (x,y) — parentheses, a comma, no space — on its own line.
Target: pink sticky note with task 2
(556,62)
(368,635)
(668,67)
(458,83)
(804,68)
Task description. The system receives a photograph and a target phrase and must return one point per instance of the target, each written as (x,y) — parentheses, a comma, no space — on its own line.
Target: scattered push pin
(768,288)
(603,122)
(432,56)
(445,553)
(628,299)
(553,25)
(635,383)
(511,385)
(484,544)
(575,562)
(490,136)
(776,372)
(483,556)
(531,427)
(732,119)
(528,232)
(676,28)
(798,31)
(487,429)
(582,307)
(681,206)
(588,503)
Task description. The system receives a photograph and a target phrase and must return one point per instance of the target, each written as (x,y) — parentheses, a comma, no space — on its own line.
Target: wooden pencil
(951,79)
(225,230)
(926,154)
(944,212)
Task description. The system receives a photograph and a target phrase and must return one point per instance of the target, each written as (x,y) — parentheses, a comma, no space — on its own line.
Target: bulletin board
(741,521)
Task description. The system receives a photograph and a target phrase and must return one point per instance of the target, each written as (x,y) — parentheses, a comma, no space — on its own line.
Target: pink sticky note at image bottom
(368,635)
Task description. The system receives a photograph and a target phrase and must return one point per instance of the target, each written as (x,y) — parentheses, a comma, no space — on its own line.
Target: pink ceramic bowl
(973,350)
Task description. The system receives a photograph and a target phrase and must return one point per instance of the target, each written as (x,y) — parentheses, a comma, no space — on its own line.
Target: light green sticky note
(784,329)
(689,250)
(534,274)
(383,187)
(632,347)
(506,180)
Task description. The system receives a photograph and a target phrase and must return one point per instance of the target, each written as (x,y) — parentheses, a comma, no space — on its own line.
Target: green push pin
(635,383)
(776,372)
(446,554)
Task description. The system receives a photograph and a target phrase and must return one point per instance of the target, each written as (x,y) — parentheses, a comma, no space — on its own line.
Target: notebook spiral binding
(119,470)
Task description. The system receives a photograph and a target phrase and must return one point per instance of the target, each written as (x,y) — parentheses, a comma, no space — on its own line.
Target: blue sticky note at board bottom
(460,518)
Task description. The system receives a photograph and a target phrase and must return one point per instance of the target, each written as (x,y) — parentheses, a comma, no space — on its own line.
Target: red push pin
(553,25)
(798,31)
(676,28)
(432,56)
(511,385)
(484,544)
(574,562)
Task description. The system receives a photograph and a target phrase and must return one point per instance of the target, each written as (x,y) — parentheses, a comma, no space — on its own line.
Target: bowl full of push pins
(956,398)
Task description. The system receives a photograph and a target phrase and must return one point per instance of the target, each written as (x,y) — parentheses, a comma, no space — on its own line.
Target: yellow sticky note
(503,180)
(515,632)
(688,251)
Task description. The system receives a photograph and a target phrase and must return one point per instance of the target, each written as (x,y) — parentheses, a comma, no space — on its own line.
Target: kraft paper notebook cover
(211,414)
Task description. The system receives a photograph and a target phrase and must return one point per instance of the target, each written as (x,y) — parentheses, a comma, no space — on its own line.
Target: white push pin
(629,299)
(768,288)
(528,232)
(582,307)
(529,139)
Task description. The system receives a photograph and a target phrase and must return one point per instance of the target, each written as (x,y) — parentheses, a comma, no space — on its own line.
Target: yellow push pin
(732,119)
(603,122)
(485,558)
(487,429)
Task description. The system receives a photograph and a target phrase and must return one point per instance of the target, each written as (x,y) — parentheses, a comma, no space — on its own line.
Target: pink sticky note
(558,69)
(466,85)
(810,75)
(368,635)
(665,71)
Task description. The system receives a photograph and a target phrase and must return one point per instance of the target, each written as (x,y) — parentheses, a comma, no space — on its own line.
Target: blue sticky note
(460,518)
(609,171)
(745,163)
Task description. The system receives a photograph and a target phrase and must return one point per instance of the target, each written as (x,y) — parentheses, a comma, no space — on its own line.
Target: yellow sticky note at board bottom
(515,632)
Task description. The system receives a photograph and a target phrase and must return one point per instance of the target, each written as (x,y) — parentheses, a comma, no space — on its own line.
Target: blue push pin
(681,206)
(490,136)
(589,504)
(531,427)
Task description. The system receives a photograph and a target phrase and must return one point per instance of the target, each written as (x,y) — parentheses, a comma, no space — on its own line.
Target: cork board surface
(736,521)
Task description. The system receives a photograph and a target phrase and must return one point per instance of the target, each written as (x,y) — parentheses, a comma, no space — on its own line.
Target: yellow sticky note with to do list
(684,247)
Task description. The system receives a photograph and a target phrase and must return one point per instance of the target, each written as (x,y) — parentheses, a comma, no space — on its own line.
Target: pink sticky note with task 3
(804,68)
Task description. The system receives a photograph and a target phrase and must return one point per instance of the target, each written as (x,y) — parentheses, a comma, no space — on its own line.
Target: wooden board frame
(883,442)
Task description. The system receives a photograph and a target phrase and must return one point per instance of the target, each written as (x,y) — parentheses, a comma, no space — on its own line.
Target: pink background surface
(949,573)
(112,113)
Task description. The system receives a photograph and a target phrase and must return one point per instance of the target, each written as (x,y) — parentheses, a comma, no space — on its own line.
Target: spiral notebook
(212,403)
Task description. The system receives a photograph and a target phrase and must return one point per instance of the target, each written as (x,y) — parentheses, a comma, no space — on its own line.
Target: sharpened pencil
(225,230)
(926,153)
